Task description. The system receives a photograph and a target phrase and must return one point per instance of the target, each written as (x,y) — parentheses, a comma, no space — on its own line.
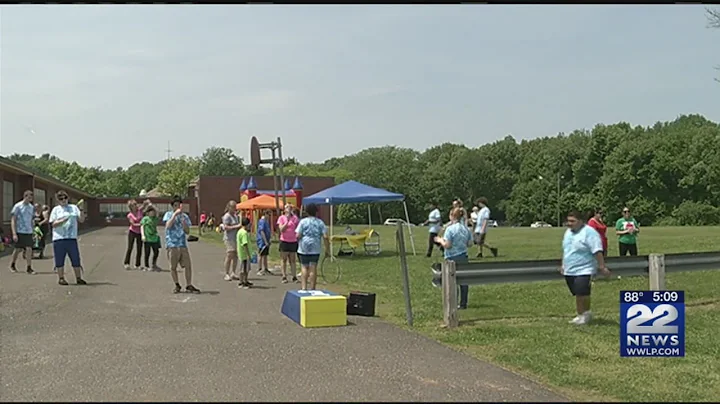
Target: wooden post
(449,287)
(400,236)
(657,271)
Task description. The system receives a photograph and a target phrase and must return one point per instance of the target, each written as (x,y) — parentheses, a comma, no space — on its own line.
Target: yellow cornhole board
(315,308)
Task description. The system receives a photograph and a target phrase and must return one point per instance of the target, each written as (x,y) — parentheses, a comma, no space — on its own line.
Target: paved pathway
(126,337)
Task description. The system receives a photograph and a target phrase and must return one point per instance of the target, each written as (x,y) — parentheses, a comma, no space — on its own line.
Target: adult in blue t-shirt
(64,220)
(582,257)
(312,234)
(263,243)
(456,240)
(177,228)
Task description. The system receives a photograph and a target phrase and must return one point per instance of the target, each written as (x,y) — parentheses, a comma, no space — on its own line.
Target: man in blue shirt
(177,228)
(22,216)
(582,257)
(263,243)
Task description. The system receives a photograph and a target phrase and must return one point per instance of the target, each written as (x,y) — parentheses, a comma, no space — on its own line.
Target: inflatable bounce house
(254,201)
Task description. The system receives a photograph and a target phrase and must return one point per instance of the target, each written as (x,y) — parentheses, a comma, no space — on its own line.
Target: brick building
(213,193)
(18,178)
(207,193)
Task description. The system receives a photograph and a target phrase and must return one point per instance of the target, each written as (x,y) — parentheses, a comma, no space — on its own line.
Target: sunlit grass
(524,326)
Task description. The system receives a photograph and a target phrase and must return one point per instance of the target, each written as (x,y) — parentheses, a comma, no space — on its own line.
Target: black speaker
(361,304)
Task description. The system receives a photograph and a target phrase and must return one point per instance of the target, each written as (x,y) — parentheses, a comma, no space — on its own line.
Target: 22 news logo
(652,330)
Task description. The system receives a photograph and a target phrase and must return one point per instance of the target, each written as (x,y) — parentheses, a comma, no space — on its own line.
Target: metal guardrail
(479,273)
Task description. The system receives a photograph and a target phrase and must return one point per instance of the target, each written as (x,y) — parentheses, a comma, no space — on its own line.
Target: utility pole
(168,150)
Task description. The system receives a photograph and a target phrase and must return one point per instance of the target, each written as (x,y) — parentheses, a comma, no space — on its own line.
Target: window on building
(40,196)
(8,199)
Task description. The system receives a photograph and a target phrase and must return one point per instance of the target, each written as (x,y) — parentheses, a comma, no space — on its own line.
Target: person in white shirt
(473,217)
(481,228)
(435,223)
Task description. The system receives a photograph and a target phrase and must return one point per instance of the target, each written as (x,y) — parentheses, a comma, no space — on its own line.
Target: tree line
(668,173)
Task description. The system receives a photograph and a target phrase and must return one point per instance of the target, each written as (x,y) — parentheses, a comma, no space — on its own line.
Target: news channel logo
(652,323)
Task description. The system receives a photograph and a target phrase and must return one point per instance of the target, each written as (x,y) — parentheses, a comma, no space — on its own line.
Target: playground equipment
(253,201)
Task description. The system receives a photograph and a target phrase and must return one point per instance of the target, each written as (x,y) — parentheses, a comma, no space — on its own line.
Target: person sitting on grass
(456,240)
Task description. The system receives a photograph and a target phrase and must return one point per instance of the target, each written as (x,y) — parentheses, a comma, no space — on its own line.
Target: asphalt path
(126,337)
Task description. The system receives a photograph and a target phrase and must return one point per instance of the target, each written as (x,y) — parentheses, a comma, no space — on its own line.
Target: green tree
(221,161)
(177,174)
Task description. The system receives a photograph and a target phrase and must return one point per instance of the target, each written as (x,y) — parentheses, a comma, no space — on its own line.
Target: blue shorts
(309,259)
(66,247)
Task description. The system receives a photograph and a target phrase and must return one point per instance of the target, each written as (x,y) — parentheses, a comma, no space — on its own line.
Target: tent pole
(407,218)
(369,216)
(331,228)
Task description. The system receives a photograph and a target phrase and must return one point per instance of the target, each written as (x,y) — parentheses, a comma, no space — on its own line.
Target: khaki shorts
(179,256)
(230,246)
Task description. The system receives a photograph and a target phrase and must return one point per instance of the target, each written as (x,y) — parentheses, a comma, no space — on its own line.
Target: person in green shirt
(150,237)
(243,250)
(627,229)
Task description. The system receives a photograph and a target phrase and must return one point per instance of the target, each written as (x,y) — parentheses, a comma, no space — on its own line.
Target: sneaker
(144,269)
(30,271)
(246,285)
(235,277)
(13,268)
(494,251)
(267,272)
(576,320)
(192,289)
(586,317)
(228,277)
(127,267)
(284,279)
(156,268)
(177,288)
(249,283)
(479,255)
(137,268)
(295,279)
(260,273)
(62,282)
(80,281)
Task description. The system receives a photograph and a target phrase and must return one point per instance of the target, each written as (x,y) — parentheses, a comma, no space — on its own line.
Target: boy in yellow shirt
(243,250)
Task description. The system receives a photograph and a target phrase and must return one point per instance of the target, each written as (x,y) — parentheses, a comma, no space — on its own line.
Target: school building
(206,193)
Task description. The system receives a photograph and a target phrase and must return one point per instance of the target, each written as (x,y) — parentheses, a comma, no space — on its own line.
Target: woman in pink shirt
(134,236)
(287,223)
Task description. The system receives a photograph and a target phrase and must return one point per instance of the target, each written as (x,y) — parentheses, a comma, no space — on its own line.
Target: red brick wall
(215,192)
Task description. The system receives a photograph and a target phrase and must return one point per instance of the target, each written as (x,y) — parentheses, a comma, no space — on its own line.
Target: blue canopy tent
(356,192)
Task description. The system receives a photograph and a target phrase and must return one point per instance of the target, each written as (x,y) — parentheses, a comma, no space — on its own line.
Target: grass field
(523,327)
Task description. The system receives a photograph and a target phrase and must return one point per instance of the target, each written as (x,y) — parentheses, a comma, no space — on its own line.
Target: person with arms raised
(64,220)
(176,230)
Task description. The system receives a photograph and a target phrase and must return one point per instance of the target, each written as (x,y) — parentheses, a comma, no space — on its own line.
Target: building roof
(7,163)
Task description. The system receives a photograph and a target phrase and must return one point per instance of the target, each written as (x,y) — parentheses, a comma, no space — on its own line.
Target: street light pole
(559,198)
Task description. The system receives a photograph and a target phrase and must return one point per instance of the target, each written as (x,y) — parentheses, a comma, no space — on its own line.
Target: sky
(112,85)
